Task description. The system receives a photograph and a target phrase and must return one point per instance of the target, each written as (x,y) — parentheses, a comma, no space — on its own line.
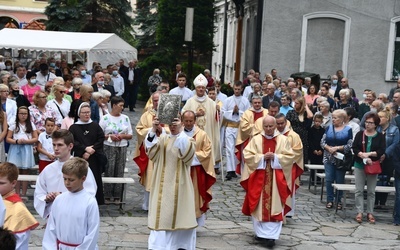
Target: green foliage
(103,16)
(197,69)
(146,20)
(171,25)
(162,60)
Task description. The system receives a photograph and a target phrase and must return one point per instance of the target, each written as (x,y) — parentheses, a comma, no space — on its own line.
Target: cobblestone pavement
(312,227)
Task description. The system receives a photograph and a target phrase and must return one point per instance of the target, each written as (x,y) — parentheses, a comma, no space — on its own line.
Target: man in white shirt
(118,81)
(44,76)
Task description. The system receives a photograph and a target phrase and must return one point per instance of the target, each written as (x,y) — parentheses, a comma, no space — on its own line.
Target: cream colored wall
(24,4)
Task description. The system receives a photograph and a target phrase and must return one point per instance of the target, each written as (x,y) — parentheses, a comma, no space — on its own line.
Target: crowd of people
(267,130)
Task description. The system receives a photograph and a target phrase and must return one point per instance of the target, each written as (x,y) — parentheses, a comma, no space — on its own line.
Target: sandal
(339,206)
(359,218)
(329,204)
(371,218)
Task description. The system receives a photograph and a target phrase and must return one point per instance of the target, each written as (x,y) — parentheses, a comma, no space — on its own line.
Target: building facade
(359,37)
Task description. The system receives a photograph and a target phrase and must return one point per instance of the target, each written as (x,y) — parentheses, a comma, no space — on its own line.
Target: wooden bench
(109,180)
(352,188)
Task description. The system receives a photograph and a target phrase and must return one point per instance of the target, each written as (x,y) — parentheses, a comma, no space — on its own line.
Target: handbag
(348,159)
(373,168)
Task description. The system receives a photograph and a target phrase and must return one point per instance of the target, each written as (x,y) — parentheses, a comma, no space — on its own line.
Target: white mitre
(200,80)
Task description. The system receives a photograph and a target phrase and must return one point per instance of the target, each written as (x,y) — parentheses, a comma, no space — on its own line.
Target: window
(393,58)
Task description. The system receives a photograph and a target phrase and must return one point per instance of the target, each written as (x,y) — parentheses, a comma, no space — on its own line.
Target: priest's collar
(285,130)
(189,130)
(257,111)
(201,99)
(276,133)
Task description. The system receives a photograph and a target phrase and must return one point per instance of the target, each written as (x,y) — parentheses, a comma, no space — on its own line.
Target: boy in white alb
(50,182)
(74,220)
(45,145)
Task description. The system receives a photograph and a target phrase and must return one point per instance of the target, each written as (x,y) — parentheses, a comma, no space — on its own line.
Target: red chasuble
(261,182)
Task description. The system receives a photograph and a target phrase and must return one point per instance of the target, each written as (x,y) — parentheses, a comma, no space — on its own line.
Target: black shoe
(132,110)
(270,243)
(217,172)
(260,239)
(233,174)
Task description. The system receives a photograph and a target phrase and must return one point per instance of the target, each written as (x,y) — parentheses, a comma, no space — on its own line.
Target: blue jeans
(333,175)
(397,199)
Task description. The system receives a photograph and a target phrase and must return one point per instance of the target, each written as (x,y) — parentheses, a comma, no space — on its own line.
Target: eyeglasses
(369,123)
(85,113)
(62,92)
(4,91)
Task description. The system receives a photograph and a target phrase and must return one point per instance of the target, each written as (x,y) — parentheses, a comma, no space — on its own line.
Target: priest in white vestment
(172,217)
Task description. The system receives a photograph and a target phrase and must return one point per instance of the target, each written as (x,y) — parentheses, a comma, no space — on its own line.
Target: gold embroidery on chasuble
(268,146)
(201,120)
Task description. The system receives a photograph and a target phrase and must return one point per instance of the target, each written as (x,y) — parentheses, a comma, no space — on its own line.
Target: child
(315,152)
(74,220)
(50,182)
(22,135)
(7,239)
(18,218)
(45,145)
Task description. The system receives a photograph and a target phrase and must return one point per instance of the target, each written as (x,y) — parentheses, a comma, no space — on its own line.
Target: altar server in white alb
(233,108)
(172,217)
(74,220)
(50,181)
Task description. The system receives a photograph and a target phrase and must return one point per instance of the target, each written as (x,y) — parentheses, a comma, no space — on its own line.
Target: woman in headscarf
(89,138)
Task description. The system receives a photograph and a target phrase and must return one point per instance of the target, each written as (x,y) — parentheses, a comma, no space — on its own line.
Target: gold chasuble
(247,129)
(203,176)
(18,218)
(171,194)
(298,165)
(267,189)
(208,122)
(139,156)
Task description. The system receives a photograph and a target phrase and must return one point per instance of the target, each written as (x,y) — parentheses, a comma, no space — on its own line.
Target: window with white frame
(393,57)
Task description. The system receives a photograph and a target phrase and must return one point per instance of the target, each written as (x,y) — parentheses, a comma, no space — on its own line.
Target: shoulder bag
(375,166)
(348,158)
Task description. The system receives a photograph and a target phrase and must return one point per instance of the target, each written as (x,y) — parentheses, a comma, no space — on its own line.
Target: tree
(103,16)
(146,20)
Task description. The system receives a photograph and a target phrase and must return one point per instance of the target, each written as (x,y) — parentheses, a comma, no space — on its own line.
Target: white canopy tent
(106,48)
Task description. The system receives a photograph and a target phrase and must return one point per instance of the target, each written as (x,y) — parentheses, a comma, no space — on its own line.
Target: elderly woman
(4,77)
(86,92)
(300,119)
(98,97)
(59,104)
(30,88)
(294,94)
(118,130)
(326,114)
(392,136)
(88,144)
(15,94)
(369,145)
(345,101)
(76,85)
(318,101)
(39,111)
(106,100)
(256,91)
(337,138)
